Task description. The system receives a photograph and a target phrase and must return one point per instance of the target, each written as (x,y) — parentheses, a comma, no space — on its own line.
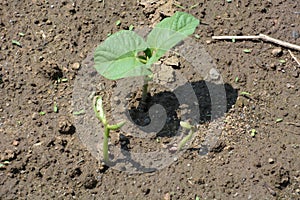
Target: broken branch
(260,37)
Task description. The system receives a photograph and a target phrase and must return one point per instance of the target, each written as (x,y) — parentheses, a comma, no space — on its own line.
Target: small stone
(76,66)
(277,52)
(34,116)
(15,143)
(208,41)
(271,160)
(167,196)
(295,74)
(90,182)
(273,66)
(116,99)
(65,126)
(214,74)
(172,61)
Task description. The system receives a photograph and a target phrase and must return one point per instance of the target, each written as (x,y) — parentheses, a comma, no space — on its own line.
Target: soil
(42,155)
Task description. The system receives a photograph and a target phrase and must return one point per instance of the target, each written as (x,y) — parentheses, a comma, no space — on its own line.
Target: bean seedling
(126,54)
(100,114)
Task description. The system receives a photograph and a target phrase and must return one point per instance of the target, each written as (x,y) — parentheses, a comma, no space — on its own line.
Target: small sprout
(6,162)
(188,126)
(19,123)
(116,126)
(253,132)
(197,36)
(247,50)
(233,40)
(99,109)
(100,114)
(131,27)
(21,34)
(194,6)
(118,23)
(236,79)
(64,80)
(197,198)
(229,1)
(245,93)
(178,6)
(42,113)
(55,108)
(109,34)
(282,61)
(15,42)
(80,112)
(279,120)
(2,165)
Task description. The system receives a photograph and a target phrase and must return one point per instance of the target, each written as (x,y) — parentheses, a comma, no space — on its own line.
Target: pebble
(76,66)
(214,74)
(295,34)
(34,116)
(172,61)
(65,126)
(116,99)
(271,161)
(15,143)
(277,52)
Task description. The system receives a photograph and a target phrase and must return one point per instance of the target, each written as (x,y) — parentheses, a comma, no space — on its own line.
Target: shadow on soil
(140,114)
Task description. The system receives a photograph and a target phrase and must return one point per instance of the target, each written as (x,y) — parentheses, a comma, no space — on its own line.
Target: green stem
(105,144)
(145,89)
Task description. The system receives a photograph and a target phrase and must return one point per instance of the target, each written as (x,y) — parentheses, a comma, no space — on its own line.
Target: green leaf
(131,27)
(15,42)
(247,50)
(99,109)
(55,108)
(42,113)
(197,36)
(116,126)
(245,93)
(170,32)
(186,125)
(282,61)
(253,132)
(117,56)
(118,23)
(236,79)
(80,112)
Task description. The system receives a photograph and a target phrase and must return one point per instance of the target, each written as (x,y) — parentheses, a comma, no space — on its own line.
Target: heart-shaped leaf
(170,32)
(117,57)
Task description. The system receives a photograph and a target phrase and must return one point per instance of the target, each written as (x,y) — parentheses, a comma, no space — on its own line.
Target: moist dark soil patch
(41,155)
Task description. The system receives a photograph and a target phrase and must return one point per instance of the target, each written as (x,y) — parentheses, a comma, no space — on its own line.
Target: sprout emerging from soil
(126,54)
(100,114)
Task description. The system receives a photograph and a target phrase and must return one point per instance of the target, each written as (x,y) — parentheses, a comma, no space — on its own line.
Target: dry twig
(260,37)
(294,58)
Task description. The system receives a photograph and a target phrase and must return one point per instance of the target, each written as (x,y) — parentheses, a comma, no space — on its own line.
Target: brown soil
(41,155)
